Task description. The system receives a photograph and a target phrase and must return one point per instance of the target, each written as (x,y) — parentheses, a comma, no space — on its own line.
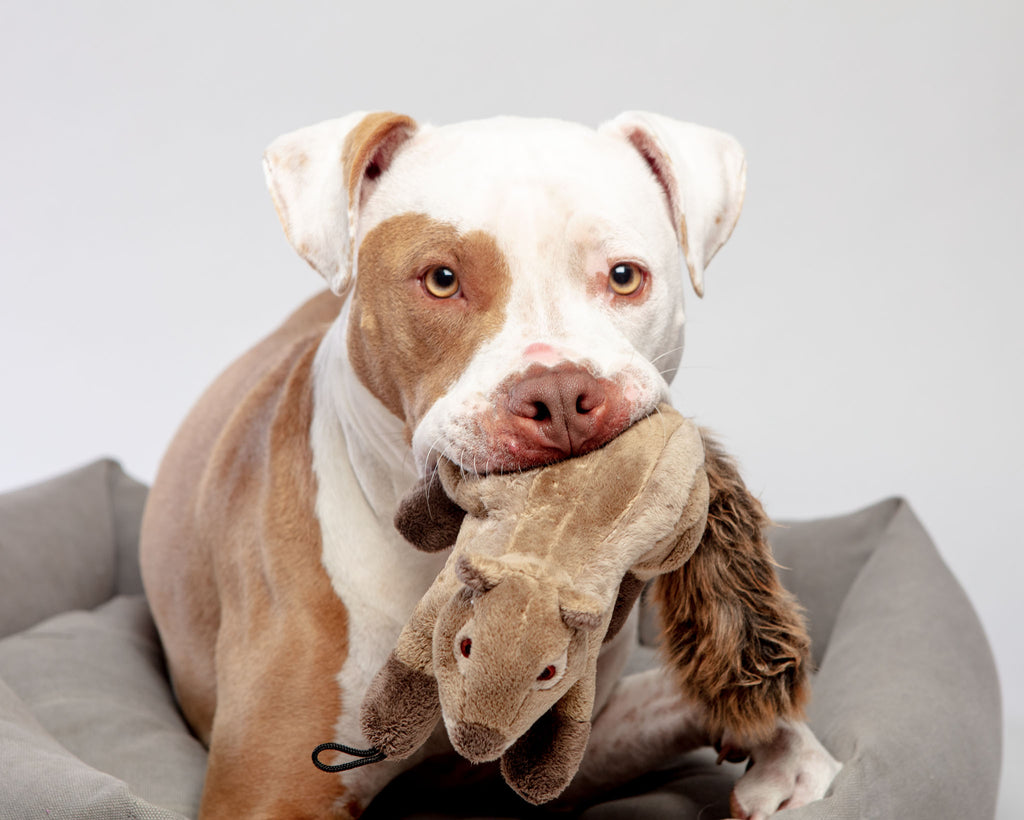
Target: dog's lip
(510,463)
(517,459)
(513,457)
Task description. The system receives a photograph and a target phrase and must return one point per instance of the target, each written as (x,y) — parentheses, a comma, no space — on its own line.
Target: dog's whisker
(663,421)
(436,469)
(666,353)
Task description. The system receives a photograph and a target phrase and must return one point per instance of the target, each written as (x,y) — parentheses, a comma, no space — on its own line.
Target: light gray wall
(859,337)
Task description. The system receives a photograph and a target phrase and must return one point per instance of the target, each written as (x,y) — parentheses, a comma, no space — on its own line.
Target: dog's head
(516,285)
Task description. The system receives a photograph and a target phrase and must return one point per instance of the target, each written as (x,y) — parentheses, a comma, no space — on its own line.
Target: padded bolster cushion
(88,724)
(68,543)
(907,695)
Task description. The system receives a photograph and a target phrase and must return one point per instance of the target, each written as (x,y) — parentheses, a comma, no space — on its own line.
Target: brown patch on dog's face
(407,346)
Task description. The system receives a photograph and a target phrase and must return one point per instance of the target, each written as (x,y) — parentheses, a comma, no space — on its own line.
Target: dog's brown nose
(562,410)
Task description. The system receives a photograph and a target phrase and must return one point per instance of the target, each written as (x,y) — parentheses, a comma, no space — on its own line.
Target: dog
(505,293)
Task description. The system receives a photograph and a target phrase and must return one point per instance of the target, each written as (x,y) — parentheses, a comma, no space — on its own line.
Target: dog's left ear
(703,173)
(319,178)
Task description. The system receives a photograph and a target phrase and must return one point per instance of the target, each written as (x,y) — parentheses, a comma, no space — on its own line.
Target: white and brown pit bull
(506,293)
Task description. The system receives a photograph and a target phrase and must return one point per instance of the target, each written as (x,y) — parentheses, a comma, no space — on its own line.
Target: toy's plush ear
(480,573)
(427,518)
(703,173)
(320,177)
(629,590)
(580,610)
(735,637)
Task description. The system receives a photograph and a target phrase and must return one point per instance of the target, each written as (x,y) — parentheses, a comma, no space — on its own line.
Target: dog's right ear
(319,178)
(703,174)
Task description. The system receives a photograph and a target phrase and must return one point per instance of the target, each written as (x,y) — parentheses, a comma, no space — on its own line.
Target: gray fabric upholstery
(906,694)
(41,778)
(68,543)
(96,683)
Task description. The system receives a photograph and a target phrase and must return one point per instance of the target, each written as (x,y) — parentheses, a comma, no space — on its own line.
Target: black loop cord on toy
(366,756)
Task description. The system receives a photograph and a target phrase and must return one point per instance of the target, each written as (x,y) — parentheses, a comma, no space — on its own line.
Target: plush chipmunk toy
(504,644)
(546,566)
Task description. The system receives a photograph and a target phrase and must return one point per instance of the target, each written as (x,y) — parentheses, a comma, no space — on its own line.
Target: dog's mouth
(515,450)
(499,444)
(536,417)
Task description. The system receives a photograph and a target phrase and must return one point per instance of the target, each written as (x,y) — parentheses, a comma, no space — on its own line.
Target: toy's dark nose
(561,411)
(477,743)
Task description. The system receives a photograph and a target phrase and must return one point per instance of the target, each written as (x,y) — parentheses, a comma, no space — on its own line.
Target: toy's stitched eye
(465,646)
(441,282)
(625,278)
(547,674)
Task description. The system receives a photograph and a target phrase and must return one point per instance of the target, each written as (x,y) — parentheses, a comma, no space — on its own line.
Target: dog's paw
(791,770)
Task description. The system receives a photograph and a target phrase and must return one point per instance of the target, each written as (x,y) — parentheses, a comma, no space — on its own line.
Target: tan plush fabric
(513,625)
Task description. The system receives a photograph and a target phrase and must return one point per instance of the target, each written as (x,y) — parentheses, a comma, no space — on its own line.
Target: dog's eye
(625,278)
(547,674)
(465,646)
(441,282)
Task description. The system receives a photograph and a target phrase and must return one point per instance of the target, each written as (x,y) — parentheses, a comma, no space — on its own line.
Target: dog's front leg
(788,771)
(646,722)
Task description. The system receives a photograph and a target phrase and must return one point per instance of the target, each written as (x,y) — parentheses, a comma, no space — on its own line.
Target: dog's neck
(374,438)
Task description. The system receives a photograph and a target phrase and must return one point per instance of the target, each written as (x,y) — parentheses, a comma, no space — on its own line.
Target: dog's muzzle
(547,414)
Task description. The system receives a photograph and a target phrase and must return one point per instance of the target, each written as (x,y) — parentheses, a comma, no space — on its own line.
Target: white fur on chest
(377,575)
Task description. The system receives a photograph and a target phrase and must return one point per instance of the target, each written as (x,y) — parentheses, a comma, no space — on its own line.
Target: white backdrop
(859,337)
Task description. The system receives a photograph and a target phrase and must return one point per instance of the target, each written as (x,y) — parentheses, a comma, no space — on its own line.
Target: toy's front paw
(400,709)
(791,770)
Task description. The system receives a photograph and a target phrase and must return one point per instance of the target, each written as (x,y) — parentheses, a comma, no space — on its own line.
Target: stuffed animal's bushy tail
(735,637)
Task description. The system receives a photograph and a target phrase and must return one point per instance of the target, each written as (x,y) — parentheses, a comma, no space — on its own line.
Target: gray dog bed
(905,695)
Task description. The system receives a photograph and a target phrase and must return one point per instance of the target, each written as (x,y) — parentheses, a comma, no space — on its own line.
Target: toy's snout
(551,413)
(477,743)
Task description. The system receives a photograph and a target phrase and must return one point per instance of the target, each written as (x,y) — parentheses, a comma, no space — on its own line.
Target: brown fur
(735,637)
(248,617)
(369,146)
(406,346)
